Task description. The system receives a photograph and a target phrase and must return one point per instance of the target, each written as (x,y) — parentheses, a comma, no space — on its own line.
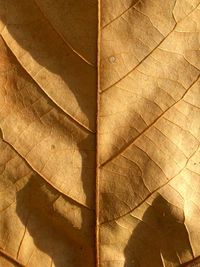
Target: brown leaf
(100,133)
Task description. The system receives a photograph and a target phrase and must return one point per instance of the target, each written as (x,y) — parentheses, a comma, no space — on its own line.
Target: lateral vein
(154,191)
(150,125)
(42,176)
(78,123)
(149,53)
(61,36)
(126,10)
(10,258)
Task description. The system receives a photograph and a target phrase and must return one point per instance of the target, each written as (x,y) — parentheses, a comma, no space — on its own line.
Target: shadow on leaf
(159,238)
(50,230)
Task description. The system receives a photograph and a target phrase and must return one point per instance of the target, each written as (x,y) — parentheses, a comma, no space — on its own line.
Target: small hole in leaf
(112,59)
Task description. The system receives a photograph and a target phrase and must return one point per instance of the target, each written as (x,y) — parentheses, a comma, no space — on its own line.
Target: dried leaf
(100,133)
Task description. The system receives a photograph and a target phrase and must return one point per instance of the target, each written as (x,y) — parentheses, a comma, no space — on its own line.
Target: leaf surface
(100,133)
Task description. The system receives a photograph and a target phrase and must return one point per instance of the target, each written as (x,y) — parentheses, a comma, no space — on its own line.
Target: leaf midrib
(97,193)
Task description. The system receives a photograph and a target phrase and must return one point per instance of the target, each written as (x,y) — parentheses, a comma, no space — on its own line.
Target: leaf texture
(100,133)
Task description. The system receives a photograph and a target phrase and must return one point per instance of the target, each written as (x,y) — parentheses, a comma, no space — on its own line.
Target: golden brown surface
(121,118)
